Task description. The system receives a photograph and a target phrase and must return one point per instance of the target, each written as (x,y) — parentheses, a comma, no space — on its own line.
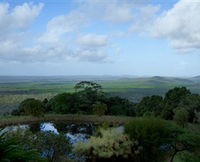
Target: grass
(15,120)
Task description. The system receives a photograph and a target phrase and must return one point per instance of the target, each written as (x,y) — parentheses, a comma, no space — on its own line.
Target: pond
(74,131)
(53,139)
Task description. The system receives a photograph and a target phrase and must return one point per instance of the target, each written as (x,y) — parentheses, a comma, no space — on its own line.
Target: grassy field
(13,91)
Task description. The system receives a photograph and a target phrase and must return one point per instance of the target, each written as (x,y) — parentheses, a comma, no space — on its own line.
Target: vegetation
(14,90)
(149,136)
(11,150)
(30,106)
(160,139)
(111,144)
(100,109)
(181,117)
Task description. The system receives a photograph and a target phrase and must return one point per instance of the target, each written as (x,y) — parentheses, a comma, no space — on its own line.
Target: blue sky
(100,37)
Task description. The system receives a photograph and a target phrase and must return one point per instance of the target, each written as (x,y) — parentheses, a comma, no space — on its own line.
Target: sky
(100,37)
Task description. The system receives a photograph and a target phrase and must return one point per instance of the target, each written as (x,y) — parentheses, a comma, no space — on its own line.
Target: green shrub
(51,146)
(32,107)
(151,133)
(99,109)
(181,116)
(11,150)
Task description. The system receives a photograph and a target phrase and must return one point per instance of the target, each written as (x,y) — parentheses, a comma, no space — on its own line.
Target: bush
(51,146)
(15,112)
(11,150)
(151,134)
(161,139)
(32,107)
(181,116)
(99,109)
(111,144)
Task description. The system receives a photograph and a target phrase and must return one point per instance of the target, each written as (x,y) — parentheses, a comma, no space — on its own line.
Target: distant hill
(196,78)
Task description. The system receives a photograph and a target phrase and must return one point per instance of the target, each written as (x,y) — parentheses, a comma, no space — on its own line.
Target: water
(74,132)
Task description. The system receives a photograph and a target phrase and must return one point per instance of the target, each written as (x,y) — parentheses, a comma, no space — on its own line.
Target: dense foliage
(178,104)
(11,150)
(52,147)
(30,106)
(160,139)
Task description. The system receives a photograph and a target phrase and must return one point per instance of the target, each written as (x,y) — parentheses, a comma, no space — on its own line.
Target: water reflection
(75,132)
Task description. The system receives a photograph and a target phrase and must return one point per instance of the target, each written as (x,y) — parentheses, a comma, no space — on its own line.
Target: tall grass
(15,120)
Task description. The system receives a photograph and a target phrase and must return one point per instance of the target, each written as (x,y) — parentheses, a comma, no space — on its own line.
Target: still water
(74,131)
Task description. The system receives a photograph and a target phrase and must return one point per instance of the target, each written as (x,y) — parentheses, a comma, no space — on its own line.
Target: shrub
(11,150)
(151,134)
(32,107)
(99,109)
(181,116)
(51,146)
(111,144)
(161,139)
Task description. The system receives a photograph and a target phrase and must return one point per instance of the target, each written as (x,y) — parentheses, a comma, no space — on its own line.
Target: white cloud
(19,17)
(180,25)
(117,13)
(62,24)
(93,40)
(13,24)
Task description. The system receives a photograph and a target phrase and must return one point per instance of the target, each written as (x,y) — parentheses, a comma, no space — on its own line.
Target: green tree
(32,107)
(181,116)
(192,104)
(151,134)
(120,106)
(153,105)
(88,85)
(172,100)
(100,109)
(160,138)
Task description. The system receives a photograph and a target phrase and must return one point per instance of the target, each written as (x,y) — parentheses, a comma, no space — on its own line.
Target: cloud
(180,25)
(116,13)
(19,17)
(13,24)
(62,24)
(92,40)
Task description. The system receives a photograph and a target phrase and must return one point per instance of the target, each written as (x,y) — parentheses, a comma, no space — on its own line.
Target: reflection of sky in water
(48,127)
(74,138)
(14,127)
(81,134)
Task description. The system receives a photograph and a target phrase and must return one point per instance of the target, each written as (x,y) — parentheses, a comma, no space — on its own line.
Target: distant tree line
(178,104)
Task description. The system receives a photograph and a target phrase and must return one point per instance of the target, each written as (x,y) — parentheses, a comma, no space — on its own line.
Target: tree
(88,85)
(181,116)
(32,107)
(172,100)
(160,138)
(151,134)
(192,104)
(100,108)
(153,105)
(175,95)
(120,106)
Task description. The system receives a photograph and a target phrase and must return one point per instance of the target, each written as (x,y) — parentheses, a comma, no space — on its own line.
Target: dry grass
(15,120)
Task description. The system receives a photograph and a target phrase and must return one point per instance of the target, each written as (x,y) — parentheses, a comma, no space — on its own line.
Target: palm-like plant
(12,151)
